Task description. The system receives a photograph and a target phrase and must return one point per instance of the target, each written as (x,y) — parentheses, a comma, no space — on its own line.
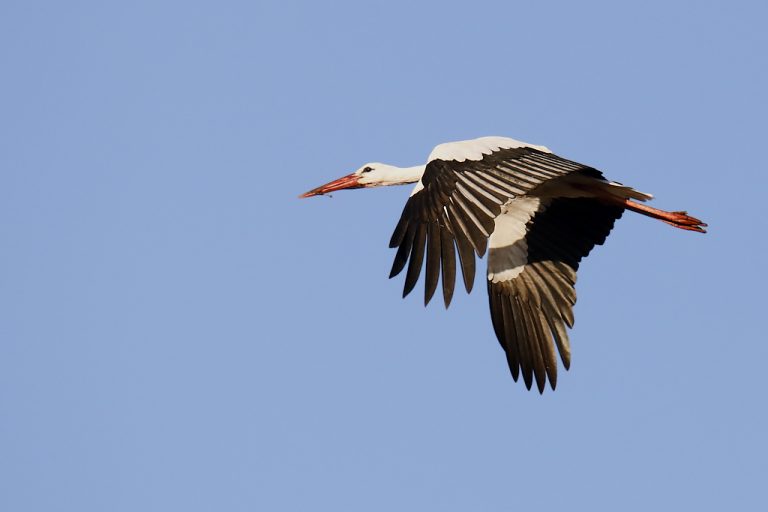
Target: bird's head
(372,174)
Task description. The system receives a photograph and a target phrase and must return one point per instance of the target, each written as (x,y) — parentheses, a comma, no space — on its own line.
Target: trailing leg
(678,219)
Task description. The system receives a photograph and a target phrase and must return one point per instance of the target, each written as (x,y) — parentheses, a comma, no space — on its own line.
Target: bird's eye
(367,169)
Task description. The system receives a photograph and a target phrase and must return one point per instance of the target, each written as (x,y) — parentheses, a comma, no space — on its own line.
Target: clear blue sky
(180,332)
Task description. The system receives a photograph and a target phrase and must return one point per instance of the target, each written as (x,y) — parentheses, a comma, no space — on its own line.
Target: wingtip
(528,382)
(429,295)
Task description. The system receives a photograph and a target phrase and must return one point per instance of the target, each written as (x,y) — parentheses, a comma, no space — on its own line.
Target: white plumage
(476,149)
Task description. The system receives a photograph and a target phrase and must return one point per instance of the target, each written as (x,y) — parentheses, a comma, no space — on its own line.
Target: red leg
(678,219)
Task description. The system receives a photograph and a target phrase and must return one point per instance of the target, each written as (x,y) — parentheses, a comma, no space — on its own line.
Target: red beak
(349,181)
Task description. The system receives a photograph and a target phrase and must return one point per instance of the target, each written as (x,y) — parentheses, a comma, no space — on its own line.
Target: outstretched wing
(465,185)
(532,265)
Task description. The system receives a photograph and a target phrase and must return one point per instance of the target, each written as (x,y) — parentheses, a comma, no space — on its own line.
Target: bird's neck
(404,175)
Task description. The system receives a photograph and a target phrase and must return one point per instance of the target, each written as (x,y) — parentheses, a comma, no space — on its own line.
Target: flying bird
(535,213)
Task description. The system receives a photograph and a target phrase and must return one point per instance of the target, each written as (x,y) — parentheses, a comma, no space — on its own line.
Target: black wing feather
(448,260)
(417,256)
(539,300)
(463,199)
(432,275)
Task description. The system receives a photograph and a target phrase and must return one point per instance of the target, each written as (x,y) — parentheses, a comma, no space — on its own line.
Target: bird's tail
(619,191)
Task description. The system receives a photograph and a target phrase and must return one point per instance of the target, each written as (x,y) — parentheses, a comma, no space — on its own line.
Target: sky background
(180,332)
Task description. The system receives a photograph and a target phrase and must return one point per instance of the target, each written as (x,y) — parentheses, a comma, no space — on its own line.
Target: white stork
(537,214)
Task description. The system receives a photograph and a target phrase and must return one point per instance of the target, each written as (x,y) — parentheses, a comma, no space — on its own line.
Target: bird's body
(535,213)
